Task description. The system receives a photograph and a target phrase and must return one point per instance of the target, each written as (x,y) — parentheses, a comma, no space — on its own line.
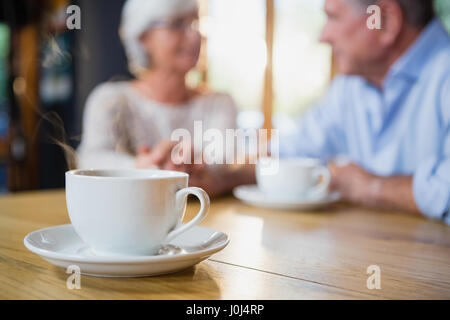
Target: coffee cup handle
(204,208)
(323,173)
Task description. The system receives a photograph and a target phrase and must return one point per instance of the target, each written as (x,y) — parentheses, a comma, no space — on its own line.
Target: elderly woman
(129,124)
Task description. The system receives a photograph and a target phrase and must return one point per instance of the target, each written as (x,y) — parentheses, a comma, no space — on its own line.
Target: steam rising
(60,139)
(55,56)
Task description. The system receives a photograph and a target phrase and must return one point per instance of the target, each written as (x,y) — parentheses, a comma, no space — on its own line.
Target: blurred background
(264,53)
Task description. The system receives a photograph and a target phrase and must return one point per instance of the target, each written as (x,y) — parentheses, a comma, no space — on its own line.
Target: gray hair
(137,17)
(417,12)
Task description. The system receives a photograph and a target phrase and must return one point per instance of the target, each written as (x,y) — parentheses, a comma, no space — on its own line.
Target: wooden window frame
(268,90)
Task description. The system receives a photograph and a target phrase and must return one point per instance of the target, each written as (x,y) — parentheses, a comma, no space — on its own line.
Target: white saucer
(62,247)
(252,195)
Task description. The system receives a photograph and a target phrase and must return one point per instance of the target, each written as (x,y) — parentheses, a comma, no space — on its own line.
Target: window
(237,50)
(237,55)
(301,64)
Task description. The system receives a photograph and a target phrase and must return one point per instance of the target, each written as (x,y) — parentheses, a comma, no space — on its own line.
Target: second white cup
(293,178)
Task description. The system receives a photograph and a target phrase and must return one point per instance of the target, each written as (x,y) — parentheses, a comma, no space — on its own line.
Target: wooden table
(272,255)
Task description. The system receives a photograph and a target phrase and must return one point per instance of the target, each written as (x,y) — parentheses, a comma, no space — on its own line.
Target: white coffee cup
(130,212)
(292,178)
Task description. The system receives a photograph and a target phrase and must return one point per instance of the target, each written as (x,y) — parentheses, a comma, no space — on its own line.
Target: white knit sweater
(118,119)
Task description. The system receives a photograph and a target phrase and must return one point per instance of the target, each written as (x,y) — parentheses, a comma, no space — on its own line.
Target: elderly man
(388,112)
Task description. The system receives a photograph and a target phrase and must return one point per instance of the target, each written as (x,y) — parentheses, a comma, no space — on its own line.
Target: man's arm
(396,193)
(431,182)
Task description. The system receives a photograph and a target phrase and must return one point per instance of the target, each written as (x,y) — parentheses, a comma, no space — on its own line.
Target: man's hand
(359,186)
(212,180)
(354,183)
(221,179)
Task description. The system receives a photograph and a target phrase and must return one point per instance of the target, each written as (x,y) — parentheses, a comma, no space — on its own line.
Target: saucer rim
(331,197)
(122,259)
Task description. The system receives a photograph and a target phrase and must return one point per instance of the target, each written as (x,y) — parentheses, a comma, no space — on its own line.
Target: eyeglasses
(178,25)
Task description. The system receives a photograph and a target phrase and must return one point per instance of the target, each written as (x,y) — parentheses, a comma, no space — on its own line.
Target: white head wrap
(137,17)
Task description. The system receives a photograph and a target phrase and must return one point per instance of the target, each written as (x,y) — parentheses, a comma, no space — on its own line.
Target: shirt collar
(416,57)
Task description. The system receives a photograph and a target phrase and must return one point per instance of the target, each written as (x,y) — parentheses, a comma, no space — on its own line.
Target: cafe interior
(47,71)
(264,54)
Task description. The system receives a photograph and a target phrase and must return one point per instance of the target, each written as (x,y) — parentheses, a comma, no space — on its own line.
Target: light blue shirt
(402,129)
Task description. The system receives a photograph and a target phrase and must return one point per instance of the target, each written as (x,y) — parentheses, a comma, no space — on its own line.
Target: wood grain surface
(272,255)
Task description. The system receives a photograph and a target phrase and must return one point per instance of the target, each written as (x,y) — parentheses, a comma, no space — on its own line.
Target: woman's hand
(165,157)
(158,156)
